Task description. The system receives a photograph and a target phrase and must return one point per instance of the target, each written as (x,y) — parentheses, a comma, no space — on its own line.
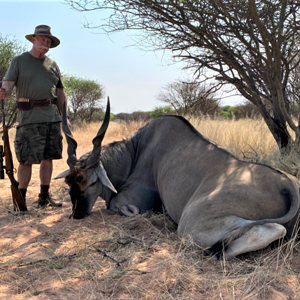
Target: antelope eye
(79,178)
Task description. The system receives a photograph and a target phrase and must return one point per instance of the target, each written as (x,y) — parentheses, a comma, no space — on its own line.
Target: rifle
(18,200)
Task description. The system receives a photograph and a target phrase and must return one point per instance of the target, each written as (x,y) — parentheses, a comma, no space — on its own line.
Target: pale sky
(132,78)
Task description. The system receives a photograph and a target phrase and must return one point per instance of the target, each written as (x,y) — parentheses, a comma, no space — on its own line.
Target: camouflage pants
(36,142)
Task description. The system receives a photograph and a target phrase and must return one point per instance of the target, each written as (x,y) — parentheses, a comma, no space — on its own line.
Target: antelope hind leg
(256,238)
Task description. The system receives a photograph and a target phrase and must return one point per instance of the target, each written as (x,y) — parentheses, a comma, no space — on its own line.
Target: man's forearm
(8,87)
(62,100)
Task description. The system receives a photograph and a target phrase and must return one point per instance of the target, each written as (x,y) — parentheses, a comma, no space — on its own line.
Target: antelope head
(86,177)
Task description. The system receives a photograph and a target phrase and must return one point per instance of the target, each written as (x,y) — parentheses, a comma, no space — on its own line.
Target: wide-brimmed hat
(44,30)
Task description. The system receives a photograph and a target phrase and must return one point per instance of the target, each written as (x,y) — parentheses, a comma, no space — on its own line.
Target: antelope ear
(103,177)
(63,174)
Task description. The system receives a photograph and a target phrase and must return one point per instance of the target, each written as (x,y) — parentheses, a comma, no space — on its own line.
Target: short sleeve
(60,84)
(12,72)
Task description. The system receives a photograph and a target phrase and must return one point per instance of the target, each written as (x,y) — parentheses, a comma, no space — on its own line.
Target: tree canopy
(84,97)
(9,48)
(190,97)
(161,110)
(252,45)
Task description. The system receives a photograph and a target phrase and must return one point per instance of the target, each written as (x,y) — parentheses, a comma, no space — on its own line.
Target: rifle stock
(18,200)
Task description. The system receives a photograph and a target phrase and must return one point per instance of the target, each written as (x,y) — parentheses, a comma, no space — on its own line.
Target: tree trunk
(289,148)
(276,123)
(282,136)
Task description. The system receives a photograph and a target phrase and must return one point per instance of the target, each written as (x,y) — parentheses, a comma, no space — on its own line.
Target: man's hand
(2,93)
(6,89)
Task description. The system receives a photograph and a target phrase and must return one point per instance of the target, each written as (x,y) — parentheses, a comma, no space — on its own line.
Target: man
(40,94)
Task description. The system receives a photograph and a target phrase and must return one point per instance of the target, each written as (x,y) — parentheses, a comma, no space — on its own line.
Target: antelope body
(218,200)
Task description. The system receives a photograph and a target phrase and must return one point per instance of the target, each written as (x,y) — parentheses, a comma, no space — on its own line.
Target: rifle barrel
(2,107)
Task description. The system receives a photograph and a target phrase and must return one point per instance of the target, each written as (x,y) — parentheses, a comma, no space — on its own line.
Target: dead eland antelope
(217,199)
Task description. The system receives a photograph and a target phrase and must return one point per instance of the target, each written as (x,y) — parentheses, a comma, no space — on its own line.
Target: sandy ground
(46,255)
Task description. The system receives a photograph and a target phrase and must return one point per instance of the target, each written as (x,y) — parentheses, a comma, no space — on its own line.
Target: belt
(27,104)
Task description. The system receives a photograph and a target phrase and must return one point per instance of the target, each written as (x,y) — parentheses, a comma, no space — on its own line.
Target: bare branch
(252,46)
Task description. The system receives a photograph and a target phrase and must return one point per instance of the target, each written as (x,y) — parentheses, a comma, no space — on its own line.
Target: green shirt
(37,79)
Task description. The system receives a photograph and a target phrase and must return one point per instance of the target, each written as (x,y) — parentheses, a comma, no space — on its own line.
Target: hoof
(129,210)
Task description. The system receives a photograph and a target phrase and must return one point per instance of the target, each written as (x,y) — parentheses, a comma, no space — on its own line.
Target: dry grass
(245,138)
(249,140)
(46,255)
(116,131)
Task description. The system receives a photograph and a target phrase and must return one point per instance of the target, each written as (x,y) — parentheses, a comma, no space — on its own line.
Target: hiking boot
(47,201)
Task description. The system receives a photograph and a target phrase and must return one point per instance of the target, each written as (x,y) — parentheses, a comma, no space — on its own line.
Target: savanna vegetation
(9,48)
(252,46)
(249,46)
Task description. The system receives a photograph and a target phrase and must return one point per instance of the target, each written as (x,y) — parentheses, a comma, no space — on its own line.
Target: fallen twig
(134,240)
(118,263)
(49,258)
(103,241)
(127,238)
(136,270)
